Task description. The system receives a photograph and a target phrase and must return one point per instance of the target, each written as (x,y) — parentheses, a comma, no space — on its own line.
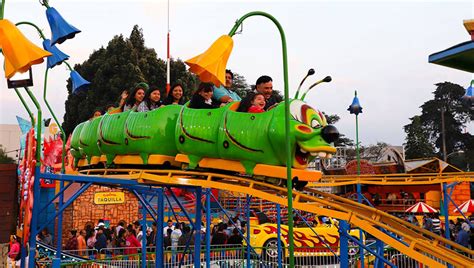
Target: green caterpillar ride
(222,139)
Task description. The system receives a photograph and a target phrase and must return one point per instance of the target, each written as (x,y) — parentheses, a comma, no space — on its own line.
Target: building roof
(460,56)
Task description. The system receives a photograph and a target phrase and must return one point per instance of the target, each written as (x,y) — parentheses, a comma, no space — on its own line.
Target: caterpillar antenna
(310,72)
(326,79)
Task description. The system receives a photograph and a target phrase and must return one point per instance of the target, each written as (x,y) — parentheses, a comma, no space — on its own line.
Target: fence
(220,256)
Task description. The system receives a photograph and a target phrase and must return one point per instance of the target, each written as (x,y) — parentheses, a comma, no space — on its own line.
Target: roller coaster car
(217,139)
(318,240)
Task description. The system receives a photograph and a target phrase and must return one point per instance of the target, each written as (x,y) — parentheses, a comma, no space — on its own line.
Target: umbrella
(421,207)
(466,207)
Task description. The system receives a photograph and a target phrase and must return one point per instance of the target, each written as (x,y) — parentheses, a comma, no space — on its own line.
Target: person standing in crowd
(175,235)
(225,94)
(138,230)
(235,238)
(167,239)
(136,97)
(436,224)
(81,243)
(463,235)
(175,96)
(132,244)
(427,223)
(187,236)
(202,98)
(170,225)
(101,240)
(45,237)
(219,238)
(14,251)
(151,239)
(72,243)
(119,227)
(152,100)
(264,85)
(120,241)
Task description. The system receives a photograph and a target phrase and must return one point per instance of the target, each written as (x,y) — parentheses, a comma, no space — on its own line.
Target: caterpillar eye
(315,123)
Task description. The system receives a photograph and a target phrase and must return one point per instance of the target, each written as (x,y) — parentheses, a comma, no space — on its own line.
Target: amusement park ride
(260,155)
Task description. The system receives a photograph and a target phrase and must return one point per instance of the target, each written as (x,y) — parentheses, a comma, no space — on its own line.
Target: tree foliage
(417,143)
(4,158)
(240,86)
(120,66)
(427,132)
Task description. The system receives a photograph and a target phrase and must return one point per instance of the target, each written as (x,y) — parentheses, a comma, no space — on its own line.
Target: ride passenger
(111,109)
(224,94)
(175,96)
(264,85)
(252,103)
(152,100)
(136,97)
(202,98)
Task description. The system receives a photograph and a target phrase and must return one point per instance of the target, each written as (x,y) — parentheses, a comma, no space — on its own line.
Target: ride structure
(144,182)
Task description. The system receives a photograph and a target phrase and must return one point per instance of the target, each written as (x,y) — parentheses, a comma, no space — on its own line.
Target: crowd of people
(145,98)
(126,239)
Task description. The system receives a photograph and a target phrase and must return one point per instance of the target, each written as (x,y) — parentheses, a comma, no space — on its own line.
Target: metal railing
(220,256)
(236,256)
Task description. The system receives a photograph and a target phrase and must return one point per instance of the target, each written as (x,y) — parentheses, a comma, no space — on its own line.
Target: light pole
(356,109)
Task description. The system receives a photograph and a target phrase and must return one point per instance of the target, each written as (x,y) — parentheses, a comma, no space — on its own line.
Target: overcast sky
(379,48)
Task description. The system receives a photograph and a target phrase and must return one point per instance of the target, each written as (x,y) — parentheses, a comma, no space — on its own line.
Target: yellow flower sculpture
(19,52)
(210,66)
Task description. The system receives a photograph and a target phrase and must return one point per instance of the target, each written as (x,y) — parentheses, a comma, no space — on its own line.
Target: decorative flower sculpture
(78,83)
(468,98)
(60,29)
(355,107)
(58,56)
(20,53)
(210,65)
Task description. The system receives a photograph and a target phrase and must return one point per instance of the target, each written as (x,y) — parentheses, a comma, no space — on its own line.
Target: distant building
(10,139)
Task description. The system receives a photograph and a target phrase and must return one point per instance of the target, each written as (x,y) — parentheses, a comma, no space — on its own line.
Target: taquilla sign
(106,198)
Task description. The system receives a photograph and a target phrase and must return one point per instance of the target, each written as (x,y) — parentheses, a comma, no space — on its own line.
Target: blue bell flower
(60,29)
(78,83)
(468,98)
(58,56)
(355,107)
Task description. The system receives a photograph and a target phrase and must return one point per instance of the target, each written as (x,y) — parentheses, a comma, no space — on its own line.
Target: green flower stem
(38,128)
(289,184)
(32,118)
(63,134)
(34,25)
(68,66)
(2,8)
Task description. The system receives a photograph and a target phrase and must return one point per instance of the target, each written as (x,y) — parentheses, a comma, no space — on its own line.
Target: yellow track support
(417,243)
(394,179)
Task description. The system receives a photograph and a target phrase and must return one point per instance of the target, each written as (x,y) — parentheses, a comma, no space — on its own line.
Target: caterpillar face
(311,131)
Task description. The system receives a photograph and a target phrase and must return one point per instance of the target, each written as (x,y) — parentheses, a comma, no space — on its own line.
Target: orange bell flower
(19,52)
(210,66)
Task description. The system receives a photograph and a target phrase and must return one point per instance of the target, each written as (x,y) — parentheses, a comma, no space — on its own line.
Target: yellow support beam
(417,243)
(394,179)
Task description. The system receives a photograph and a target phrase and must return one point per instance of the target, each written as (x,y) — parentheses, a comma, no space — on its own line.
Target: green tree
(240,86)
(417,143)
(120,66)
(4,158)
(446,101)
